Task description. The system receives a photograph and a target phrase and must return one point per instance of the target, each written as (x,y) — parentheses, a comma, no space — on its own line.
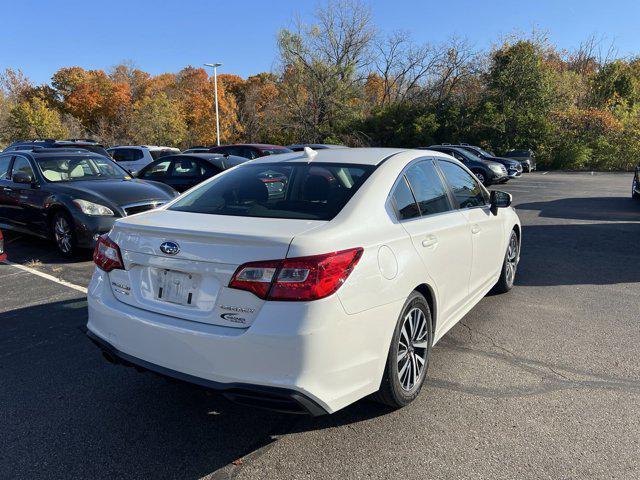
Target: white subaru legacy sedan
(303,282)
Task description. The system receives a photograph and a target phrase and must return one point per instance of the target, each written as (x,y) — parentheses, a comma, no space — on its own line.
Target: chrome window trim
(402,176)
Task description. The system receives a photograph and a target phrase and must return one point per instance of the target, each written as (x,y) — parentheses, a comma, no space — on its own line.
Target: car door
(440,235)
(485,228)
(6,197)
(27,199)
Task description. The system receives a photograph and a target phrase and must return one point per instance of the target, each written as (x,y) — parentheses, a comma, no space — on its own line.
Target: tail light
(297,279)
(107,254)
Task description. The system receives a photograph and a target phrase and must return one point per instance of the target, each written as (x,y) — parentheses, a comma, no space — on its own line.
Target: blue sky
(163,36)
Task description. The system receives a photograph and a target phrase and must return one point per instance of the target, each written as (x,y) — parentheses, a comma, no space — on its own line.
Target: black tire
(481,176)
(509,266)
(634,187)
(396,389)
(65,242)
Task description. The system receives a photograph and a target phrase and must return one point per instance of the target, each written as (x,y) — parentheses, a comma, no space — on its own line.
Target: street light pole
(215,89)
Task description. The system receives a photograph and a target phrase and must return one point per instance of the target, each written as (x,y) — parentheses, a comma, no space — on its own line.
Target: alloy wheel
(412,349)
(63,234)
(512,258)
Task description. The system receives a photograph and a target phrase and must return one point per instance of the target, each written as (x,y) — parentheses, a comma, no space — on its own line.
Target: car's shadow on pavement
(622,209)
(580,254)
(67,413)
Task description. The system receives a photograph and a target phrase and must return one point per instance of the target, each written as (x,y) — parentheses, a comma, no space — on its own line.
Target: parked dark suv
(526,157)
(70,195)
(635,185)
(514,167)
(486,171)
(82,143)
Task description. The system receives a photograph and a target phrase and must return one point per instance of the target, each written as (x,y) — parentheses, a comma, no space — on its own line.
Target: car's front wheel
(408,356)
(480,176)
(509,266)
(63,234)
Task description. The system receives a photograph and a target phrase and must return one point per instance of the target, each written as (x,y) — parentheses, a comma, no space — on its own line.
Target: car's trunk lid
(192,283)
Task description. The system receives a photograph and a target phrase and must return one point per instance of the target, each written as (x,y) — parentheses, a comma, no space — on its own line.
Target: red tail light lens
(255,277)
(107,254)
(297,279)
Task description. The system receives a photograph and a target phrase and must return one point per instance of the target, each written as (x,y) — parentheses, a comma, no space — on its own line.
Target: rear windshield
(316,191)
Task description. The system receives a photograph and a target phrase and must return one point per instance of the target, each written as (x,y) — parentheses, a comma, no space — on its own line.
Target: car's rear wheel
(509,266)
(408,356)
(63,234)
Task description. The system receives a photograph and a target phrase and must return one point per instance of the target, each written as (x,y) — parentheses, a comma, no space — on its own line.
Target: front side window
(428,189)
(187,167)
(21,164)
(4,166)
(316,191)
(75,168)
(157,170)
(466,189)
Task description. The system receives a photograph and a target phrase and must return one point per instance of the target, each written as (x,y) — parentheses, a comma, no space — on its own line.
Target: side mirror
(22,177)
(500,200)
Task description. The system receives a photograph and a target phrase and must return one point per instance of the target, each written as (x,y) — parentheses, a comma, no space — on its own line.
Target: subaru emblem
(170,248)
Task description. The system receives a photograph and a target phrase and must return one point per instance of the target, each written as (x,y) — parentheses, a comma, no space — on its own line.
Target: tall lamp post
(215,88)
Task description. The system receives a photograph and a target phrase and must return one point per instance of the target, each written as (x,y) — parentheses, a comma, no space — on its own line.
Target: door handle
(7,189)
(430,241)
(475,229)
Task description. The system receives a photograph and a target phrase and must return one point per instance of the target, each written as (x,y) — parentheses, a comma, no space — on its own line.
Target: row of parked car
(73,190)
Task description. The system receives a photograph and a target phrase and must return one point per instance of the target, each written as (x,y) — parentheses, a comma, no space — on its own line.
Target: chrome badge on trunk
(170,248)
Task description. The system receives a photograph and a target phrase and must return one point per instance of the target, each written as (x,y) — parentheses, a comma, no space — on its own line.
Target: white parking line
(47,276)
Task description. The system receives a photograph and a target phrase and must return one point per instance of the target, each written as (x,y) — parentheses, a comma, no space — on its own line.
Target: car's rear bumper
(280,399)
(315,349)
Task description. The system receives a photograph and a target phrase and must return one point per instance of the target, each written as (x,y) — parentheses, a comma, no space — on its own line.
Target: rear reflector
(297,279)
(107,255)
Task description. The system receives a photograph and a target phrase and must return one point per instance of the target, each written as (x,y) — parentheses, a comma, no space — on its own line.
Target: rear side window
(126,154)
(428,189)
(4,166)
(405,203)
(466,189)
(316,191)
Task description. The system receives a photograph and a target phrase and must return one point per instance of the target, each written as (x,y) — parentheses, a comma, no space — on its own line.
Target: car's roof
(362,156)
(57,152)
(203,156)
(150,147)
(316,145)
(257,145)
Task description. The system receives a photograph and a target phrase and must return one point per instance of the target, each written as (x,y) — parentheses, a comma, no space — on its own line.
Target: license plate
(176,287)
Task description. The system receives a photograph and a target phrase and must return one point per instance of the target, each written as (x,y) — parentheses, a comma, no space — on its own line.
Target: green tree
(520,97)
(158,120)
(34,119)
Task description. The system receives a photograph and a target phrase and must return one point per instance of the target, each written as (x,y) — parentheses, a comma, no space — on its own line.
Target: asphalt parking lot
(543,382)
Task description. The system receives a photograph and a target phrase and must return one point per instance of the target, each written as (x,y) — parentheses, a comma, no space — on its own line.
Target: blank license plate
(176,287)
